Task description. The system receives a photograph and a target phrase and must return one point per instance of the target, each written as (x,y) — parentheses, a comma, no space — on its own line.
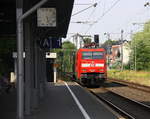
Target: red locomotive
(90,66)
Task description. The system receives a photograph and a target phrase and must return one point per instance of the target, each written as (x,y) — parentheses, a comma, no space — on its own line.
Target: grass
(140,77)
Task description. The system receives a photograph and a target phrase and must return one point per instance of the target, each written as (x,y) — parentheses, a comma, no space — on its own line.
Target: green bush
(140,77)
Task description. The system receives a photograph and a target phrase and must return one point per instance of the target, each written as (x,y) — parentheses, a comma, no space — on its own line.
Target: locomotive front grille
(92,75)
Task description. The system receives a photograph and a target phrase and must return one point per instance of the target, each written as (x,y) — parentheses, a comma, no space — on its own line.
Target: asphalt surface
(59,103)
(8,104)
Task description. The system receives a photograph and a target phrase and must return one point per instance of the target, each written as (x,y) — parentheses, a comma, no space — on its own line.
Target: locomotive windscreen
(92,55)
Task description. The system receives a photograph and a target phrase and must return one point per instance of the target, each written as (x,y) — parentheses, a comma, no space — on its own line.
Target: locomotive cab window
(92,55)
(86,55)
(98,55)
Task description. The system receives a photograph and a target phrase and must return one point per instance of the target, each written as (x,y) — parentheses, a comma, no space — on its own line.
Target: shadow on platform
(8,108)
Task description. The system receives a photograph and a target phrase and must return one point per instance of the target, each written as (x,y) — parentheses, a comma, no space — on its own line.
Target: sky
(111,16)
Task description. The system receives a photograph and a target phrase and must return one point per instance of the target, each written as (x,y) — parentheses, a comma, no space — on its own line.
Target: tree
(109,43)
(68,49)
(140,48)
(68,45)
(65,56)
(87,41)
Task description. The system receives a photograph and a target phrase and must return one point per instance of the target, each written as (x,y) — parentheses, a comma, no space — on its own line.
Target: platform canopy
(7,17)
(63,15)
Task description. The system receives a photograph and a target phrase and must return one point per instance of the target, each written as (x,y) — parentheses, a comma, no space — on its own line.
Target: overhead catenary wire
(83,4)
(94,10)
(104,6)
(93,5)
(128,23)
(115,3)
(92,13)
(120,26)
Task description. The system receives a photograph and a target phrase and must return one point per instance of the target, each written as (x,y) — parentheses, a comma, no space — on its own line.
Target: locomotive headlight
(100,69)
(99,65)
(83,69)
(92,70)
(85,65)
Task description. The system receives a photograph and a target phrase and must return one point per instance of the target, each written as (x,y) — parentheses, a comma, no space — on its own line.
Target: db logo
(92,65)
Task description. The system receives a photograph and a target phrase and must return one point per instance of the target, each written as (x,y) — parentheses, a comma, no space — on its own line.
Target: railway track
(131,85)
(128,108)
(121,82)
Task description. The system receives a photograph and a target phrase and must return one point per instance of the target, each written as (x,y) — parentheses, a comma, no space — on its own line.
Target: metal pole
(76,40)
(28,65)
(20,66)
(15,68)
(20,75)
(108,48)
(20,48)
(135,54)
(122,50)
(55,70)
(62,64)
(33,9)
(131,62)
(80,42)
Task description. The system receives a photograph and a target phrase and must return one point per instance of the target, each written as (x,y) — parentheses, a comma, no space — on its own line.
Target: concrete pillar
(36,78)
(41,78)
(27,69)
(44,72)
(55,71)
(32,100)
(15,67)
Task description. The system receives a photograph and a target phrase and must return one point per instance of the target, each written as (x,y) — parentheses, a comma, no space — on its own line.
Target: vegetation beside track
(140,77)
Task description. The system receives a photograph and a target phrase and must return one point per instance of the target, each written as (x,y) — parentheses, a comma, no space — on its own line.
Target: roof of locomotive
(91,49)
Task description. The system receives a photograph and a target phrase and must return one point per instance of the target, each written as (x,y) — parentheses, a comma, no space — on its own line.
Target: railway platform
(65,100)
(70,101)
(8,102)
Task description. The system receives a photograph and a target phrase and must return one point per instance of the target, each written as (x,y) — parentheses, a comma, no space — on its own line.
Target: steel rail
(131,100)
(110,104)
(132,85)
(130,115)
(124,113)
